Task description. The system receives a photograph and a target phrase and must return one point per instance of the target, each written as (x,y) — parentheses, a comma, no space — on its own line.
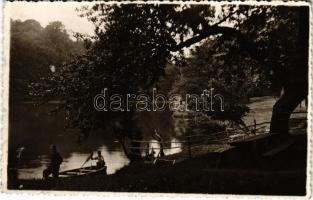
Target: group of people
(56,160)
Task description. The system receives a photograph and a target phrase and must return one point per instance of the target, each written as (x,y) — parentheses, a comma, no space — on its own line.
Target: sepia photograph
(158,97)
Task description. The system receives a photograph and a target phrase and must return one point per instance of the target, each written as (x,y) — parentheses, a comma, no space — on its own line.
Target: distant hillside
(37,51)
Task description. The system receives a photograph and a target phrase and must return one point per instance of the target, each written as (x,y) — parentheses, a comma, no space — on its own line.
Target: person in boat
(54,165)
(100,160)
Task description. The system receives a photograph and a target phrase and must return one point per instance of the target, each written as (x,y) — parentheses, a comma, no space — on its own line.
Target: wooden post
(254,128)
(189,147)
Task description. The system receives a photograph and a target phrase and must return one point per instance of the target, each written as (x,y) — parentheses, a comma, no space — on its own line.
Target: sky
(45,12)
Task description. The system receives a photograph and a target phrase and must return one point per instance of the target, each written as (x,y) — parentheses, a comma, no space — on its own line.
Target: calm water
(115,160)
(34,130)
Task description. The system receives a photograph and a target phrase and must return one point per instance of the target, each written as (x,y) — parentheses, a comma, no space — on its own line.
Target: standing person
(100,160)
(54,165)
(158,138)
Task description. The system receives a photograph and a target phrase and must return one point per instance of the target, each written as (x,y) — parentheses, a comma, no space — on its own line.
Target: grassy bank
(212,173)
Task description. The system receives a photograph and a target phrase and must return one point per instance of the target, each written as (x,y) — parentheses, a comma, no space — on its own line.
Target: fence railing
(190,142)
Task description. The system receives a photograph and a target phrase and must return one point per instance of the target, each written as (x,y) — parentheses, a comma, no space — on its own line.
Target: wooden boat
(160,161)
(85,171)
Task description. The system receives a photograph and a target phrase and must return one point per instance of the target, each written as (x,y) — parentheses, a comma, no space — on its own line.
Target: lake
(32,129)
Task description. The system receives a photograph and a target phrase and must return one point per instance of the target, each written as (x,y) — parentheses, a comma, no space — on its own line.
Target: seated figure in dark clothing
(54,165)
(100,160)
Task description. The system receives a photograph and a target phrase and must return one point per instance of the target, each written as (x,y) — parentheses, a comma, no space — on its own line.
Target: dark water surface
(31,128)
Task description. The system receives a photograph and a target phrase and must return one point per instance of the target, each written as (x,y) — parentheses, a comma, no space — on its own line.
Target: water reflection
(36,131)
(33,130)
(170,148)
(114,161)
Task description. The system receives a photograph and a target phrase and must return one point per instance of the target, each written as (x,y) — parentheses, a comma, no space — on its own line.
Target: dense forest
(37,52)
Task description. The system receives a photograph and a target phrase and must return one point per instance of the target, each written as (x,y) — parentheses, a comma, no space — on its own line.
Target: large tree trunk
(283,108)
(128,135)
(294,79)
(133,153)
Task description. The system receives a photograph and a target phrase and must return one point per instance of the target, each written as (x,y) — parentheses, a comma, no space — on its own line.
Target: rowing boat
(85,171)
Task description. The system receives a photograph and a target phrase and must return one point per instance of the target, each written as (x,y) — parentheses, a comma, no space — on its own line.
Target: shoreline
(226,173)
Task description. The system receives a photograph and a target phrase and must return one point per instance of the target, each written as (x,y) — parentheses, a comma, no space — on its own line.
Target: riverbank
(284,174)
(233,171)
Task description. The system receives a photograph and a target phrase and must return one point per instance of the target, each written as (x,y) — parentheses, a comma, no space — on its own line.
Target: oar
(88,158)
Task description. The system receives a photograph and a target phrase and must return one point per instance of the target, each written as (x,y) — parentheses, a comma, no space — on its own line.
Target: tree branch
(246,43)
(225,18)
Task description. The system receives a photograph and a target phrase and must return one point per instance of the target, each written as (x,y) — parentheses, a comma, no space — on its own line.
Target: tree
(220,66)
(134,42)
(35,48)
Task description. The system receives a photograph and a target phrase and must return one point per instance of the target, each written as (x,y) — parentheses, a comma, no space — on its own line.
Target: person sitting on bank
(150,156)
(54,165)
(100,160)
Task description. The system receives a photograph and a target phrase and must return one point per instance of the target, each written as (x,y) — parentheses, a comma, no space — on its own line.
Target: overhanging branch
(246,43)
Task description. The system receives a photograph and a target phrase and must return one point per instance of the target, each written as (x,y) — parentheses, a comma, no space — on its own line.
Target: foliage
(33,49)
(133,44)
